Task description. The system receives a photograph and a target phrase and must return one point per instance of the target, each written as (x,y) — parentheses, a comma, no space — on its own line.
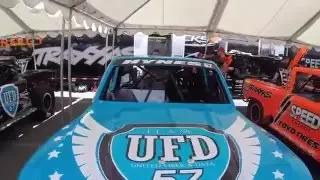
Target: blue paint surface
(96,145)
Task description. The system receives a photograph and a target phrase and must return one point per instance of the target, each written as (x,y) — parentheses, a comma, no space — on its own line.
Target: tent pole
(107,45)
(61,65)
(132,13)
(113,41)
(16,19)
(218,11)
(305,27)
(69,57)
(259,46)
(207,42)
(33,48)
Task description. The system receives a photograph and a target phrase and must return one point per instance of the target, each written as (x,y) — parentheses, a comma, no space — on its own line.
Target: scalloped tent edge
(90,25)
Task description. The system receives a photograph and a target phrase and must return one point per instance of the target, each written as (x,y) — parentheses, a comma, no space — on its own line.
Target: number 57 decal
(168,174)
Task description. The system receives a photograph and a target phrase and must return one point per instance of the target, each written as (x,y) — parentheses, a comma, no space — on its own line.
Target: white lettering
(180,62)
(131,61)
(203,148)
(91,55)
(169,148)
(169,174)
(148,61)
(134,148)
(306,117)
(207,65)
(195,39)
(199,154)
(168,62)
(312,63)
(191,63)
(10,97)
(164,62)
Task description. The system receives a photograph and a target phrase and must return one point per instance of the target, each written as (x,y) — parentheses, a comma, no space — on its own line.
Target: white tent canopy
(42,18)
(288,20)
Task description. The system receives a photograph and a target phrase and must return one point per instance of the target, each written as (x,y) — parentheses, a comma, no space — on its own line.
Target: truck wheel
(42,97)
(255,111)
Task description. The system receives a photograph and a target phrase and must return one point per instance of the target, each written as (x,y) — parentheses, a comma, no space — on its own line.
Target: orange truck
(292,110)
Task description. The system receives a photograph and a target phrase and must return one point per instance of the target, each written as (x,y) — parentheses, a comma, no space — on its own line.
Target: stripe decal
(285,104)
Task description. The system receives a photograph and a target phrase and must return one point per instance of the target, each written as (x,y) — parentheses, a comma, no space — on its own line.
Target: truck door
(300,121)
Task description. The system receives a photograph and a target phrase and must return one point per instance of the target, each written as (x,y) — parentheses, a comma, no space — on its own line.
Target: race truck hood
(146,141)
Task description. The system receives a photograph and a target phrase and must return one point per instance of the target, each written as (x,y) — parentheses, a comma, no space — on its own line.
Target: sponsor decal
(165,62)
(91,55)
(284,105)
(159,151)
(195,39)
(259,91)
(164,151)
(9,97)
(312,63)
(306,117)
(305,138)
(201,40)
(15,42)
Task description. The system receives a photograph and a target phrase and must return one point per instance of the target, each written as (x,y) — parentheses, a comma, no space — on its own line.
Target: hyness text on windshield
(165,62)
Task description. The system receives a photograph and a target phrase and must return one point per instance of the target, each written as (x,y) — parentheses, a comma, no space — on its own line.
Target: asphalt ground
(19,142)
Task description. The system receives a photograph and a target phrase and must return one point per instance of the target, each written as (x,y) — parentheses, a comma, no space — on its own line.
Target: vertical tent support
(114,34)
(287,50)
(107,48)
(207,42)
(69,57)
(259,46)
(33,48)
(61,65)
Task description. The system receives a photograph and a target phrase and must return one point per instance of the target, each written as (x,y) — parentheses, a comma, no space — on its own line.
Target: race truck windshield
(174,83)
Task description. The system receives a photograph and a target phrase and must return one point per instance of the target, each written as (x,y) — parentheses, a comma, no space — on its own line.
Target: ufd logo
(205,151)
(9,97)
(158,151)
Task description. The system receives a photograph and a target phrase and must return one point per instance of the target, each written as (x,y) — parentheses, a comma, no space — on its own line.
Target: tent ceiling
(274,19)
(287,20)
(9,27)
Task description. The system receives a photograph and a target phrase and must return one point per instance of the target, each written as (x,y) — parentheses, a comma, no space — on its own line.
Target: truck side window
(307,86)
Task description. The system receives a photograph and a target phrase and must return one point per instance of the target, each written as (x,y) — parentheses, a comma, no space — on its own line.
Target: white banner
(140,44)
(178,46)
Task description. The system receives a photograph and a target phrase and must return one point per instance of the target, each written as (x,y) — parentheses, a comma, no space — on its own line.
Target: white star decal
(58,138)
(55,176)
(60,145)
(277,154)
(272,140)
(53,154)
(66,127)
(278,175)
(69,133)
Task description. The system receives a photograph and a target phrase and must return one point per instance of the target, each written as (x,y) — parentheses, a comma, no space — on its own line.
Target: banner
(178,46)
(141,44)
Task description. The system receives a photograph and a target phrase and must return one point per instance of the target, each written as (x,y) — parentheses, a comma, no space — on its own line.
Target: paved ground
(19,142)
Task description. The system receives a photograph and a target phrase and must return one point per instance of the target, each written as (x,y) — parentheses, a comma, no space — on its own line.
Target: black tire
(255,111)
(42,97)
